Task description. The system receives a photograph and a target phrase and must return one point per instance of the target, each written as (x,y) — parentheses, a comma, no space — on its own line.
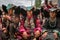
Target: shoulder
(58,20)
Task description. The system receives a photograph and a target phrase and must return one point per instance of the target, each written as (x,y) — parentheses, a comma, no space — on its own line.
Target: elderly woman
(51,24)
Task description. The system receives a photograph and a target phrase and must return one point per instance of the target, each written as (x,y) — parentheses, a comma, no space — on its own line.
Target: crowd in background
(32,23)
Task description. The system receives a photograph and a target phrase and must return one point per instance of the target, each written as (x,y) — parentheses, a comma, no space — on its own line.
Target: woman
(38,25)
(51,24)
(26,26)
(37,30)
(21,29)
(4,12)
(9,17)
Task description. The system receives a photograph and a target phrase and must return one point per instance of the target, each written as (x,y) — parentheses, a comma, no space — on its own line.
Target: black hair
(17,10)
(36,12)
(46,2)
(46,13)
(4,8)
(42,9)
(24,12)
(32,9)
(0,12)
(14,7)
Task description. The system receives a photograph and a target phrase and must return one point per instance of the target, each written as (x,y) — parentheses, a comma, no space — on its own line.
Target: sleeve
(22,29)
(45,24)
(58,24)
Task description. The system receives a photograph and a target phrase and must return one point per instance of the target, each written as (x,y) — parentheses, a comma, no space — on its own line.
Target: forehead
(51,13)
(11,9)
(29,11)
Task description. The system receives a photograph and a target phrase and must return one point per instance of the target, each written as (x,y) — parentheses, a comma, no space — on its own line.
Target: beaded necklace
(52,22)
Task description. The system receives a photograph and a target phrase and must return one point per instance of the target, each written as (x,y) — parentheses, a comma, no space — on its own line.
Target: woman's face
(52,14)
(29,13)
(10,11)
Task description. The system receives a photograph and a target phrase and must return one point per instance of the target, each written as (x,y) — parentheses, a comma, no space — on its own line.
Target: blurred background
(36,3)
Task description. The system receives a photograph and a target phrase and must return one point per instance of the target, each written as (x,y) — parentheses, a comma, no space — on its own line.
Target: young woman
(38,24)
(9,18)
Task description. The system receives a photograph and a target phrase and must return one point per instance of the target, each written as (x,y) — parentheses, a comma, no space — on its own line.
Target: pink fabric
(37,22)
(29,17)
(47,7)
(19,37)
(21,29)
(22,22)
(38,26)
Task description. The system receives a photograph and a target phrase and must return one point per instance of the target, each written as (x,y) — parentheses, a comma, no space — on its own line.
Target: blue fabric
(29,8)
(9,6)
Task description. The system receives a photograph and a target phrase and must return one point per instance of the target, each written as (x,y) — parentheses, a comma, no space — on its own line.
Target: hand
(8,17)
(34,39)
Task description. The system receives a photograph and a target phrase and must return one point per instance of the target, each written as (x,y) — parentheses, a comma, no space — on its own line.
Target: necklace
(52,23)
